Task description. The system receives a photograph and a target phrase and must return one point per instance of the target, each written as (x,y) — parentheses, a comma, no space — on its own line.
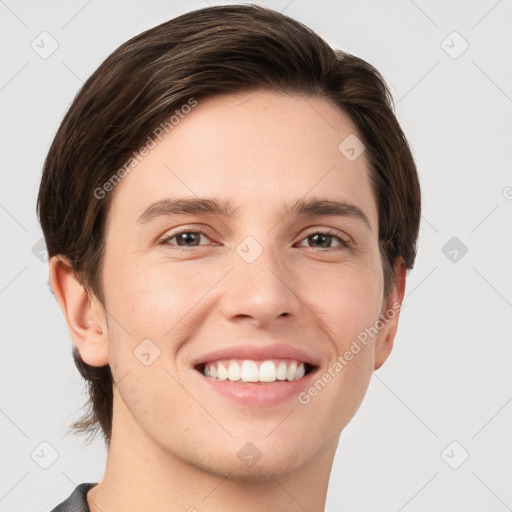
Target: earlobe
(83,313)
(390,315)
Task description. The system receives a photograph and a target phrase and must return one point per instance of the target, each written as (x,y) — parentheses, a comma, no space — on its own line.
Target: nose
(259,291)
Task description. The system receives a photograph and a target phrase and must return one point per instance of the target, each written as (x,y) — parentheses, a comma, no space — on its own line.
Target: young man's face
(255,279)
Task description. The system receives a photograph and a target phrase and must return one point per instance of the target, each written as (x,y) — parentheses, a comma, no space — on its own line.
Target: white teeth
(249,371)
(267,371)
(292,370)
(281,371)
(233,371)
(222,373)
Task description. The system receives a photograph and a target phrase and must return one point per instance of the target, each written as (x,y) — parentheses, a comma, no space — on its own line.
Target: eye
(190,239)
(184,238)
(325,238)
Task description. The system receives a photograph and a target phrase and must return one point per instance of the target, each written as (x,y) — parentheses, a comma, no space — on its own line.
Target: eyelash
(344,244)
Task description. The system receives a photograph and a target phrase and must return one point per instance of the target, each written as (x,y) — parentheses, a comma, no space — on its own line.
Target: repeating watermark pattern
(457,47)
(45,45)
(158,133)
(351,147)
(40,251)
(44,455)
(362,339)
(454,249)
(249,249)
(455,455)
(454,45)
(147,352)
(249,455)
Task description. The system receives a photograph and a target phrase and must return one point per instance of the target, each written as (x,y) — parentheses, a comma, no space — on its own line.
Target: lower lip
(259,394)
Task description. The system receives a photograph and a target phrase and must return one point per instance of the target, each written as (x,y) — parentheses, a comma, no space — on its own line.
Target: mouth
(263,372)
(256,375)
(256,383)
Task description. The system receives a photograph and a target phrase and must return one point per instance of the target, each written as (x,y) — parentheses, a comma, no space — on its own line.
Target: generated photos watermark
(158,133)
(343,360)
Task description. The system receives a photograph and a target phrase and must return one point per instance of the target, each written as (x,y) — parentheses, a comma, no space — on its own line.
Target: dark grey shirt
(77,501)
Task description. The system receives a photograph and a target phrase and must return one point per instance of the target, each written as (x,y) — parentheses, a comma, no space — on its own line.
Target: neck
(141,474)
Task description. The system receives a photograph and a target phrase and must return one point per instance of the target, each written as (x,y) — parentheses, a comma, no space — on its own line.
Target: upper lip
(258,353)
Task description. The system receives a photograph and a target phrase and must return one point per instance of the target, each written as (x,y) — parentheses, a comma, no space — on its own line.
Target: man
(230,207)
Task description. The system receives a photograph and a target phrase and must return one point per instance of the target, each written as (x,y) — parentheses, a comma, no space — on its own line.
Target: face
(255,281)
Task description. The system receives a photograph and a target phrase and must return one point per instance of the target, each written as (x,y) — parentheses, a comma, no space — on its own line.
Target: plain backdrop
(434,430)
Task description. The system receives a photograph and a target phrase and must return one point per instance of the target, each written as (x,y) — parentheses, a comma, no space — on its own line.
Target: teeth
(281,371)
(222,373)
(292,370)
(268,371)
(248,371)
(233,372)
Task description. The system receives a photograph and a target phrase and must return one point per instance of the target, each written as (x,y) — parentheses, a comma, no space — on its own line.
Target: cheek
(154,309)
(346,307)
(151,300)
(147,310)
(348,300)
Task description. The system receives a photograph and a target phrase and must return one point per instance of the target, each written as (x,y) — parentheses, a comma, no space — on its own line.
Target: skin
(174,442)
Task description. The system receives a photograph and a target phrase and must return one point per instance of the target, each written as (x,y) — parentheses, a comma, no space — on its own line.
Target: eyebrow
(186,205)
(303,207)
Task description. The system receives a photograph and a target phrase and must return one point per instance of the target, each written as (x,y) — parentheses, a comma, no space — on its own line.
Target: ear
(390,315)
(84,314)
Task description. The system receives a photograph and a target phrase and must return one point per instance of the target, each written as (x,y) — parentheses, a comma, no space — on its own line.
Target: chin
(266,460)
(262,471)
(261,461)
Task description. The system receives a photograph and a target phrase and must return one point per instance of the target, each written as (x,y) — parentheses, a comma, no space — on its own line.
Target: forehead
(255,150)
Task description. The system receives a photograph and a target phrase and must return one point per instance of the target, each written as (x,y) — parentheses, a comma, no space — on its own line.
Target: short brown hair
(208,52)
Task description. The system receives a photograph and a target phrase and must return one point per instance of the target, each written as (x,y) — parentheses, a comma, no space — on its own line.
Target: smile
(248,370)
(254,374)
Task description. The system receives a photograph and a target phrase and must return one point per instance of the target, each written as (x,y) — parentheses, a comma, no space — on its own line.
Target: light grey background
(448,378)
